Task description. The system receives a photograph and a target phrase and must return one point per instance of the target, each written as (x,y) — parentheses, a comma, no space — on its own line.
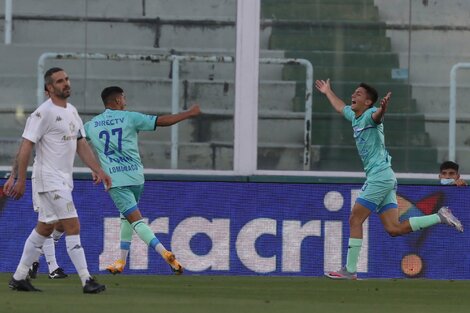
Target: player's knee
(71,227)
(393,231)
(44,229)
(354,221)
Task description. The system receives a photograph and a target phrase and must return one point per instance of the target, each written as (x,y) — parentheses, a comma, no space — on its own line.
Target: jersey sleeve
(368,116)
(81,128)
(36,126)
(143,122)
(348,113)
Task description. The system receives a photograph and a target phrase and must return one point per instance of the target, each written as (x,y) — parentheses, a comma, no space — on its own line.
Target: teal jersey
(370,141)
(114,135)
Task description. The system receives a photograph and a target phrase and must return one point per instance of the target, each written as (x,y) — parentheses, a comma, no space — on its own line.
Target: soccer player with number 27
(114,135)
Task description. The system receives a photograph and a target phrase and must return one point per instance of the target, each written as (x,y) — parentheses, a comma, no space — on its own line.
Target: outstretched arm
(18,171)
(325,88)
(170,119)
(378,115)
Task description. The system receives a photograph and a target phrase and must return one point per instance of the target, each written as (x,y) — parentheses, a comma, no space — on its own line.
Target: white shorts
(53,206)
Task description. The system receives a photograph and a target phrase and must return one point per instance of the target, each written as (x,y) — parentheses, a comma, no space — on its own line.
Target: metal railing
(308,102)
(176,59)
(453,107)
(8,21)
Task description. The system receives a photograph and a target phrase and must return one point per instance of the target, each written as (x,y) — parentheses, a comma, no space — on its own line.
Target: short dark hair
(371,92)
(48,76)
(449,165)
(110,93)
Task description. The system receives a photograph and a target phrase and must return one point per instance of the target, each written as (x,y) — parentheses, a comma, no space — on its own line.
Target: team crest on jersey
(58,118)
(72,127)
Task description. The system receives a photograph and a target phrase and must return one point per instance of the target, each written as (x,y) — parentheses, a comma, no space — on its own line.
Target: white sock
(31,253)
(56,235)
(48,248)
(124,254)
(160,249)
(77,255)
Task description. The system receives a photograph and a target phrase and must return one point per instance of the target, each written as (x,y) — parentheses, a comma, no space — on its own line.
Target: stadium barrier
(239,226)
(175,81)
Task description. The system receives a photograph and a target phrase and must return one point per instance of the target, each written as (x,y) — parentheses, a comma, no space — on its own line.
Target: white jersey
(54,130)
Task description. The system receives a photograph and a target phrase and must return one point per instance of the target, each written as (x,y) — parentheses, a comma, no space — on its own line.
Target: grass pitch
(226,294)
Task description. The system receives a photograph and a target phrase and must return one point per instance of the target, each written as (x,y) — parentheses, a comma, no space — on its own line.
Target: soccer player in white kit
(56,130)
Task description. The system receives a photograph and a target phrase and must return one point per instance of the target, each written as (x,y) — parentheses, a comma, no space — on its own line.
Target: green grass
(225,294)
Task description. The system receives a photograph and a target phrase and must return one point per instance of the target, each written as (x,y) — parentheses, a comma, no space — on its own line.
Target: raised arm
(18,171)
(170,119)
(88,157)
(325,88)
(378,115)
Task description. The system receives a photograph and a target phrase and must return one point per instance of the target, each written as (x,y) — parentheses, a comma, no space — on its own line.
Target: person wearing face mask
(449,174)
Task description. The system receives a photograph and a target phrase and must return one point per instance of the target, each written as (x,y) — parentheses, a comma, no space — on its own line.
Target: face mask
(447,181)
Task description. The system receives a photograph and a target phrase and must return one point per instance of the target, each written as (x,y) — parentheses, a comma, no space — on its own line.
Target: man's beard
(63,94)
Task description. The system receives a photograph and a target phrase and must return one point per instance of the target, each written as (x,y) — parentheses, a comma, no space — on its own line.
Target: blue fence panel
(240,228)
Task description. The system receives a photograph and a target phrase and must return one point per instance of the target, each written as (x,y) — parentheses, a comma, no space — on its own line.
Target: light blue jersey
(114,135)
(379,191)
(370,141)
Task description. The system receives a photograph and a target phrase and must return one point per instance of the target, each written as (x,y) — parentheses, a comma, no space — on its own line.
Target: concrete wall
(202,9)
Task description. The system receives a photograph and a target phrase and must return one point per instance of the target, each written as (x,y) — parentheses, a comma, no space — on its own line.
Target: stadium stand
(345,40)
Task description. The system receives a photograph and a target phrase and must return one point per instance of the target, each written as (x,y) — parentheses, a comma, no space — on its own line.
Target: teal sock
(145,233)
(422,222)
(354,247)
(126,238)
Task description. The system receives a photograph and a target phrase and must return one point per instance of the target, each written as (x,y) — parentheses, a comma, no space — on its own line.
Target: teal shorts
(126,198)
(379,192)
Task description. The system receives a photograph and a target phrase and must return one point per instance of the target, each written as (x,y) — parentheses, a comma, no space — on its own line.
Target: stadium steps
(320,42)
(402,103)
(346,42)
(320,10)
(419,159)
(217,155)
(167,26)
(148,88)
(325,134)
(149,93)
(216,97)
(212,133)
(320,21)
(211,126)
